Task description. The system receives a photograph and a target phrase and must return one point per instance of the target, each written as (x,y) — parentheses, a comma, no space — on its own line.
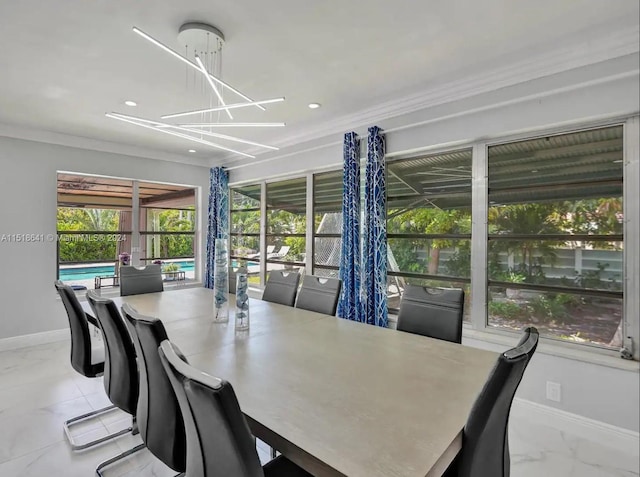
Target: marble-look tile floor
(39,390)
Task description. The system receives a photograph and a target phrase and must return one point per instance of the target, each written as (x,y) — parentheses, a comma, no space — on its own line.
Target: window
(327,210)
(429,223)
(555,244)
(96,225)
(550,254)
(286,224)
(167,226)
(245,229)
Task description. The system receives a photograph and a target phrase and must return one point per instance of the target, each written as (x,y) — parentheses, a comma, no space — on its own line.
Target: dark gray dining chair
(86,358)
(121,380)
(135,281)
(433,312)
(319,294)
(281,287)
(158,414)
(485,439)
(219,441)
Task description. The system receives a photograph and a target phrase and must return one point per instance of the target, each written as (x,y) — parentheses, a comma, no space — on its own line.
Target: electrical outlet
(554,391)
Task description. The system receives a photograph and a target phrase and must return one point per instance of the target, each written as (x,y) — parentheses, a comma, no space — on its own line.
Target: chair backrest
(159,418)
(485,445)
(219,442)
(281,287)
(319,294)
(432,312)
(79,326)
(120,368)
(135,281)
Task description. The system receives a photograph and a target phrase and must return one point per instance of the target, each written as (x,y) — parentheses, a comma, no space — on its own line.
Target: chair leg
(117,458)
(74,445)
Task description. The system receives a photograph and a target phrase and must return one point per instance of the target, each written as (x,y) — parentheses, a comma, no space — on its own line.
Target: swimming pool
(89,272)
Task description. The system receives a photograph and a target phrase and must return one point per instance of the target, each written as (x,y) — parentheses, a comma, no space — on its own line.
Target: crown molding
(78,142)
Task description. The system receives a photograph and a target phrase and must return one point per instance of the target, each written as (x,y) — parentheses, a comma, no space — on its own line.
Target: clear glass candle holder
(221,282)
(242,301)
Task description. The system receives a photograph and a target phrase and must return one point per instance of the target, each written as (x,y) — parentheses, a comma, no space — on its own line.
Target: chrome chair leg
(74,445)
(121,456)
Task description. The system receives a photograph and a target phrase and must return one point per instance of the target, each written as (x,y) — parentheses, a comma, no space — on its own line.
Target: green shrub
(506,309)
(550,307)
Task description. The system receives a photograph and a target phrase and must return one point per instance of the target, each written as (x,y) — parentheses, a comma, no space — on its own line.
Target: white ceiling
(64,63)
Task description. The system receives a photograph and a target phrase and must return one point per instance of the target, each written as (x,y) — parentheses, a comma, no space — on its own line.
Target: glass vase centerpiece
(242,300)
(221,282)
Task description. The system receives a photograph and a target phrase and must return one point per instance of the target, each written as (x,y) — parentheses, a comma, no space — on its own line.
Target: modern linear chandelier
(204,43)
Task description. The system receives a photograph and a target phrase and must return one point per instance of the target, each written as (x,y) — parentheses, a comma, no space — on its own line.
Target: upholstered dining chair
(485,440)
(87,358)
(433,312)
(219,442)
(158,414)
(281,287)
(135,281)
(319,294)
(121,381)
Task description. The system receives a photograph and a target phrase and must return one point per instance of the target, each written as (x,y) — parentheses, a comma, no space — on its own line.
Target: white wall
(596,391)
(28,205)
(606,90)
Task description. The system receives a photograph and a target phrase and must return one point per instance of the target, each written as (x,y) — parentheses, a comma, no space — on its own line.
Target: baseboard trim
(615,437)
(16,342)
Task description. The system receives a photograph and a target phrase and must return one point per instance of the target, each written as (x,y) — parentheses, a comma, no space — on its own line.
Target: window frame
(478,327)
(134,234)
(430,236)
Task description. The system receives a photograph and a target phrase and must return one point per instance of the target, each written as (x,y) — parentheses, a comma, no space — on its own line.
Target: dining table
(335,396)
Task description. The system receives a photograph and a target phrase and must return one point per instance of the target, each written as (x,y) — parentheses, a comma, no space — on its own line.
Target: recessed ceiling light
(314,105)
(192,150)
(130,103)
(617,161)
(534,170)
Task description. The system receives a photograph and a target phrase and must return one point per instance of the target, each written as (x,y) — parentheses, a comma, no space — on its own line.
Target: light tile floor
(39,390)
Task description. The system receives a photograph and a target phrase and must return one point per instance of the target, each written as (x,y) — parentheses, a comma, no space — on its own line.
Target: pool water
(89,272)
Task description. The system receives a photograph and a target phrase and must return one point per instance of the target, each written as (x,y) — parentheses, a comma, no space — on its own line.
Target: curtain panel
(349,303)
(374,253)
(218,220)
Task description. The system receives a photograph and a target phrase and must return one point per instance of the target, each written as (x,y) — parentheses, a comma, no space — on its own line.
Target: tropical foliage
(87,246)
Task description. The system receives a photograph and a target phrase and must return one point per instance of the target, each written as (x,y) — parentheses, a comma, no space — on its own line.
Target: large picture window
(327,213)
(548,231)
(286,224)
(429,223)
(555,223)
(245,229)
(96,226)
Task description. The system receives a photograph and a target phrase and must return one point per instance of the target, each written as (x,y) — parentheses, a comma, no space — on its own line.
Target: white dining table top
(335,396)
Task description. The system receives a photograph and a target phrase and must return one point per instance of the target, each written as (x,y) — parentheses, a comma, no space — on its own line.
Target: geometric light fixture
(220,108)
(206,43)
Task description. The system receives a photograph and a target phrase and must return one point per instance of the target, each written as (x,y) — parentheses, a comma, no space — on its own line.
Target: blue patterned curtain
(218,224)
(349,303)
(374,253)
